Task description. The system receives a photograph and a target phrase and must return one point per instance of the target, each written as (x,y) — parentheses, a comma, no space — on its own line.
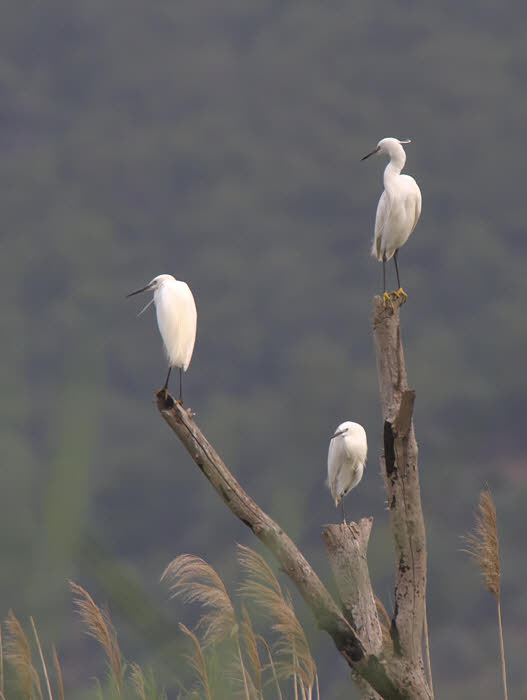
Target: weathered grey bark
(401,479)
(347,548)
(393,670)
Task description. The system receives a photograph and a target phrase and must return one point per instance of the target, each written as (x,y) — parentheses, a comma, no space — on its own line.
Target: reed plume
(18,654)
(197,582)
(197,661)
(137,678)
(100,627)
(483,546)
(58,673)
(271,666)
(42,661)
(261,586)
(251,649)
(144,684)
(193,579)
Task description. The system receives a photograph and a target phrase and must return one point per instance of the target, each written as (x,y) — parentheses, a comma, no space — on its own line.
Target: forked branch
(394,676)
(386,678)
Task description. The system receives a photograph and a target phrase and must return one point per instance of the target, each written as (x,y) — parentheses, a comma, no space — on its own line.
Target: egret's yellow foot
(164,395)
(387,299)
(400,293)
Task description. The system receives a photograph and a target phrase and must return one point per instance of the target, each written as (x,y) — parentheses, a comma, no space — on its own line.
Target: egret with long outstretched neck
(348,449)
(398,210)
(176,319)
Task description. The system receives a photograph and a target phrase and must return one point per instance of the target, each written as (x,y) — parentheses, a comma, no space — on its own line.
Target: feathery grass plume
(483,547)
(144,685)
(197,661)
(18,654)
(41,654)
(240,682)
(246,680)
(137,678)
(58,673)
(483,543)
(261,586)
(251,648)
(100,627)
(197,582)
(271,665)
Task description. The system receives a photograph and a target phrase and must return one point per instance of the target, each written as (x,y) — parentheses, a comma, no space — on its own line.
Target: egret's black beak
(339,432)
(138,291)
(371,154)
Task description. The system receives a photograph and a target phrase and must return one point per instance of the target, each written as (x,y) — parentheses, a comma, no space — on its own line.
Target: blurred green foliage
(220,142)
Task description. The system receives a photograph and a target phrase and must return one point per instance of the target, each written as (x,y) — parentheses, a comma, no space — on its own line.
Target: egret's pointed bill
(150,285)
(339,432)
(375,150)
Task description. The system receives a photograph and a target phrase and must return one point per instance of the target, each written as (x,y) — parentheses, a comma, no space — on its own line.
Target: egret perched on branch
(398,210)
(176,319)
(348,449)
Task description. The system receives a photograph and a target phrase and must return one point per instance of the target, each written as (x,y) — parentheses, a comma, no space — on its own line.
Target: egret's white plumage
(347,453)
(399,207)
(176,319)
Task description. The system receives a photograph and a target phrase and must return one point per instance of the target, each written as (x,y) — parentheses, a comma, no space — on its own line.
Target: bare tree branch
(291,560)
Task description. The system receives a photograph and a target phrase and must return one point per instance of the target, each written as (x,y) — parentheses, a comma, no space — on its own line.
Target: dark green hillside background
(220,142)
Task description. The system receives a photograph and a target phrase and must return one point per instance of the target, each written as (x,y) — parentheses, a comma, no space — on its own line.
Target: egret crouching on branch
(398,210)
(176,319)
(348,449)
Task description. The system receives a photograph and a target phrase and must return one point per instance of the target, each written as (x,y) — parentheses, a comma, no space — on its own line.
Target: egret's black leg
(168,377)
(180,385)
(400,292)
(385,296)
(397,268)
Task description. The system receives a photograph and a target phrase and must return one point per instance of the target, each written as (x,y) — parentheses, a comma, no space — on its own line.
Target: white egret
(176,319)
(398,210)
(347,453)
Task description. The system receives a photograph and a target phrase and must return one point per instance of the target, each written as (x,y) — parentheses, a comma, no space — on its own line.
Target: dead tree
(385,661)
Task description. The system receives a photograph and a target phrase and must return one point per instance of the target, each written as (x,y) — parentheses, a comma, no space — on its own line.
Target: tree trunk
(401,479)
(383,666)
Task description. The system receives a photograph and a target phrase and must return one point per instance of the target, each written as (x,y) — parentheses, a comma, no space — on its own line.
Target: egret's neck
(394,167)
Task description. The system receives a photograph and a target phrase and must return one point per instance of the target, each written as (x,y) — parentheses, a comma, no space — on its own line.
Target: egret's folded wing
(381,217)
(417,206)
(336,459)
